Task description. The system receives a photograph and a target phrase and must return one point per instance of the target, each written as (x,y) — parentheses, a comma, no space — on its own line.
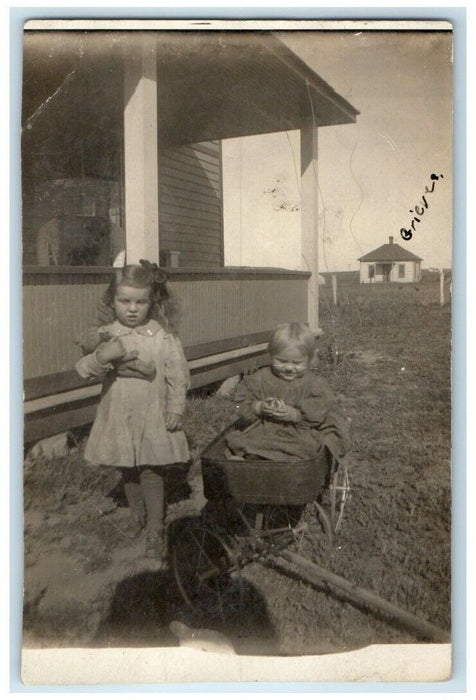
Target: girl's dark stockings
(144,489)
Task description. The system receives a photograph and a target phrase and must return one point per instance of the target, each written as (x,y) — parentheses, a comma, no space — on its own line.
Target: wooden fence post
(334,289)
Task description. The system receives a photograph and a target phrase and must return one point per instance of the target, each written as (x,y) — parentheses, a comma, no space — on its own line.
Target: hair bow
(160,276)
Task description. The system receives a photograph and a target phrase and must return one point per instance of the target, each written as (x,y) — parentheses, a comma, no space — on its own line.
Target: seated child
(296,412)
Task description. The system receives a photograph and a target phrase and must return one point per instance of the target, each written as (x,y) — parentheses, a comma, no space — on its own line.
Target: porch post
(309,219)
(141,153)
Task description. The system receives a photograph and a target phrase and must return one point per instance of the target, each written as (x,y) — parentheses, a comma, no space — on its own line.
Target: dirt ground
(387,358)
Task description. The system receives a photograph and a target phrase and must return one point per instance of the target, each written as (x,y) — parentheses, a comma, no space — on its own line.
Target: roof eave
(388,260)
(322,90)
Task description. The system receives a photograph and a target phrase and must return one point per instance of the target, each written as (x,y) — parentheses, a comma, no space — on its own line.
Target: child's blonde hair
(296,334)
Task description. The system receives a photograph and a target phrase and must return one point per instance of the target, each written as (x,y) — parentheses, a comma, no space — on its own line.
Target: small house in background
(390,263)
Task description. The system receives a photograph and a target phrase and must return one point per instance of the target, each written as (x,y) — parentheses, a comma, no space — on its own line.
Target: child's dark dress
(321,424)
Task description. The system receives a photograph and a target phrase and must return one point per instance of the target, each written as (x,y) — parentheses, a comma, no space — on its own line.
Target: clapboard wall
(213,306)
(190,204)
(225,320)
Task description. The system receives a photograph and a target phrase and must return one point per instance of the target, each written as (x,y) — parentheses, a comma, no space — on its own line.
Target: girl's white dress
(129,429)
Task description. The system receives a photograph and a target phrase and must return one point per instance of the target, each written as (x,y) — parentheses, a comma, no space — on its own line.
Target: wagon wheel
(280,516)
(339,491)
(324,520)
(202,561)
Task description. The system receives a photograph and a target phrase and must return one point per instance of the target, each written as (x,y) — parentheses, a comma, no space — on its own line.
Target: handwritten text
(420,208)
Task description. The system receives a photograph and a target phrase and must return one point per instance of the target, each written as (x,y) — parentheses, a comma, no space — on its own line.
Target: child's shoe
(155,545)
(134,525)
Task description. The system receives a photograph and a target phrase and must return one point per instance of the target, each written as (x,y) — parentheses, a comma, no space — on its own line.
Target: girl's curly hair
(163,309)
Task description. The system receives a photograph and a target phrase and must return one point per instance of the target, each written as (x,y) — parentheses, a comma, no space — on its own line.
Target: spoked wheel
(283,526)
(281,517)
(330,514)
(324,519)
(202,562)
(339,492)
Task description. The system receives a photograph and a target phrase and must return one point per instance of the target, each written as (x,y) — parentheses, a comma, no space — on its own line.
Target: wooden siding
(56,309)
(218,309)
(213,307)
(190,204)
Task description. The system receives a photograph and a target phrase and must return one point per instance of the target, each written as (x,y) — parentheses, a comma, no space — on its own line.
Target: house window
(401,271)
(371,271)
(72,152)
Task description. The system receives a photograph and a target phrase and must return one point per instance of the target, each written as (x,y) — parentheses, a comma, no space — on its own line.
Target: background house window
(401,271)
(72,151)
(371,271)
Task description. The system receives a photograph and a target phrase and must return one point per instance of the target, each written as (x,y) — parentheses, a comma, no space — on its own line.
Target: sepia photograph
(237,244)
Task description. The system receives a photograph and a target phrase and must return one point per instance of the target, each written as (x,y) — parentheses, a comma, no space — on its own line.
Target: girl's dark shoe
(134,526)
(155,546)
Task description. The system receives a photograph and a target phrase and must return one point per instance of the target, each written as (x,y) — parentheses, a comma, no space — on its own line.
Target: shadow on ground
(146,603)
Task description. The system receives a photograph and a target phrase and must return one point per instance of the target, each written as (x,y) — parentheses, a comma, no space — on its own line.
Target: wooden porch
(131,136)
(225,320)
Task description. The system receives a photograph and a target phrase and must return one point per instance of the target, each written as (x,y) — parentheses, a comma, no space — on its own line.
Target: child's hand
(269,406)
(257,408)
(133,367)
(173,421)
(111,351)
(285,414)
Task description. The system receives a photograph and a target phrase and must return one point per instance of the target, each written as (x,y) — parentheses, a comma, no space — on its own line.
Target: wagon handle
(313,574)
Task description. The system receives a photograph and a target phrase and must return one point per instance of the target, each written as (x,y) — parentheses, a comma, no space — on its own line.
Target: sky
(371,176)
(372,173)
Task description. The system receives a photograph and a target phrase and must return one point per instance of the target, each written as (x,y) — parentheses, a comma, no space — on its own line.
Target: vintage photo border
(458,18)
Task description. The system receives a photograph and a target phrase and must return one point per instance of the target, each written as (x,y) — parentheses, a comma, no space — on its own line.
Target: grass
(400,406)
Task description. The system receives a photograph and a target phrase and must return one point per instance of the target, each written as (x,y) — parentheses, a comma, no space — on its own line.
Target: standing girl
(138,426)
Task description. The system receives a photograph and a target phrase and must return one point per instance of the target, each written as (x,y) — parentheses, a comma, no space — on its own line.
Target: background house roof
(389,252)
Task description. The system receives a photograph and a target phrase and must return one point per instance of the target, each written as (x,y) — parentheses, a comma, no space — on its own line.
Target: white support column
(309,219)
(141,153)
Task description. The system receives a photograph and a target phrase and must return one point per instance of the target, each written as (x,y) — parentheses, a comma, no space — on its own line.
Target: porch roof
(211,85)
(224,85)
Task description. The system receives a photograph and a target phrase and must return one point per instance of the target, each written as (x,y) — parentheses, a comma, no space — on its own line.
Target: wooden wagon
(259,511)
